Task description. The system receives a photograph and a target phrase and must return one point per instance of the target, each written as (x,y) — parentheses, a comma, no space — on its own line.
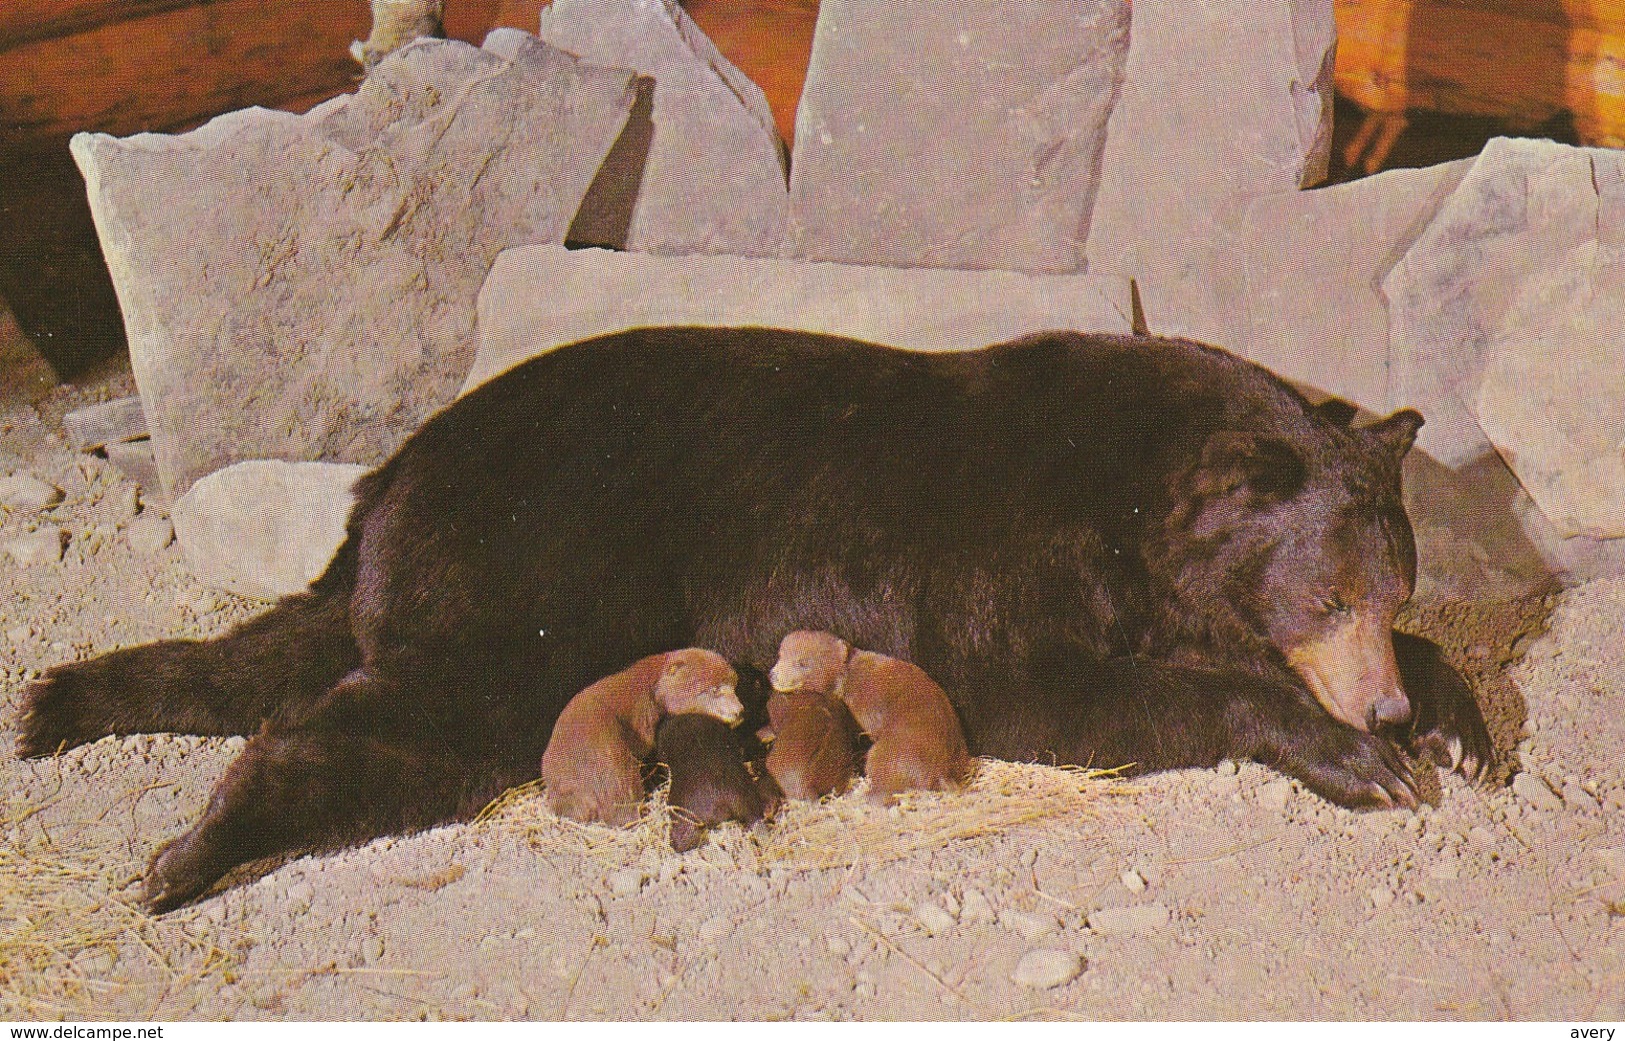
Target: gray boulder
(1506,332)
(700,167)
(542,297)
(1312,310)
(264,528)
(955,135)
(1223,101)
(302,286)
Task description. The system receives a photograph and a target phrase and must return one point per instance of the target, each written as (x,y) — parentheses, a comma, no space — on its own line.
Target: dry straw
(71,932)
(836,833)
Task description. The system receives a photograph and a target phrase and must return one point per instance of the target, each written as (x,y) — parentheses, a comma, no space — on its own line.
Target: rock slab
(303,286)
(265,528)
(1505,327)
(95,426)
(542,297)
(700,168)
(955,135)
(1223,101)
(1315,312)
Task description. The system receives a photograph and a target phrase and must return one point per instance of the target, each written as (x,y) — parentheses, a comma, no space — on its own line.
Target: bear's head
(695,680)
(810,661)
(1299,537)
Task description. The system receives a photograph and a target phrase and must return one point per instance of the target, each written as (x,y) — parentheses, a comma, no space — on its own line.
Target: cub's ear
(1268,467)
(1397,433)
(1338,412)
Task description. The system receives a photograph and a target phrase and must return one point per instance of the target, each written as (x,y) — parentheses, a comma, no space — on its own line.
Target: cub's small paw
(49,720)
(1361,771)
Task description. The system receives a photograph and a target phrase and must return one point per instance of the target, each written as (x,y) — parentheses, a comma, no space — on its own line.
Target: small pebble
(1030,926)
(1227,768)
(373,949)
(1536,792)
(837,946)
(975,907)
(149,534)
(24,493)
(933,918)
(1275,795)
(1380,896)
(1580,799)
(1045,968)
(715,929)
(1447,870)
(626,882)
(1133,881)
(38,547)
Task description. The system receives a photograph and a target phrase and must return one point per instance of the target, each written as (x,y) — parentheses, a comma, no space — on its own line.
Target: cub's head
(1304,541)
(695,680)
(810,661)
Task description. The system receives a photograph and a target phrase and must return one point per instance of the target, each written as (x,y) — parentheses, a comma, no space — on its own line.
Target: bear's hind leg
(277,662)
(349,772)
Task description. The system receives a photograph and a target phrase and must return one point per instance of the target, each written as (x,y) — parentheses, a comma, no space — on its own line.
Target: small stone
(120,504)
(1446,870)
(373,949)
(1030,926)
(1275,795)
(1536,792)
(933,919)
(1580,799)
(975,907)
(19,633)
(149,533)
(626,882)
(95,426)
(1227,768)
(1133,881)
(23,493)
(1046,967)
(38,547)
(715,929)
(837,946)
(1380,896)
(1133,920)
(300,894)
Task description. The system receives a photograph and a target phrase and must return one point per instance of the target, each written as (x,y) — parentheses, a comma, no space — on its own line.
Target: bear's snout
(1351,670)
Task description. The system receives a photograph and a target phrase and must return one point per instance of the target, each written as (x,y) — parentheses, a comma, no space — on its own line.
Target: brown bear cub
(918,742)
(710,780)
(815,744)
(593,764)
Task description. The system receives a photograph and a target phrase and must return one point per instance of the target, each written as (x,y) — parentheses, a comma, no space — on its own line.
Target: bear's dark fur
(1103,548)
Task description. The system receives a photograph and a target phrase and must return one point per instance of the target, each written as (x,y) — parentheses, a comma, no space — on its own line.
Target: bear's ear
(1268,467)
(1338,412)
(1397,433)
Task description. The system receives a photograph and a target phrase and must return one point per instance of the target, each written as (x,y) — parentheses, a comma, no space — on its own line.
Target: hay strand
(837,833)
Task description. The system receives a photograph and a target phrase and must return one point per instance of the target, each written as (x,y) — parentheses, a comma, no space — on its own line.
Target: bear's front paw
(49,721)
(1447,728)
(1360,771)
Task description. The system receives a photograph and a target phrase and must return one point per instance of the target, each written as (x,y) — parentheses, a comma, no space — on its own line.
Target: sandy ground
(1194,894)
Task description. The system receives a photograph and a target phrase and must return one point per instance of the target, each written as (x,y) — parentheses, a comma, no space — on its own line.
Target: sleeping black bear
(1108,550)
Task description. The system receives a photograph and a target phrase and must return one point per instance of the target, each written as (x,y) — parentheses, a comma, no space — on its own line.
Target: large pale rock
(264,528)
(303,286)
(1314,262)
(1223,101)
(1506,332)
(699,170)
(961,135)
(541,297)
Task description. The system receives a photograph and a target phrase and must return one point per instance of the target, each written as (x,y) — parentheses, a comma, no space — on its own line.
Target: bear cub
(918,742)
(593,763)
